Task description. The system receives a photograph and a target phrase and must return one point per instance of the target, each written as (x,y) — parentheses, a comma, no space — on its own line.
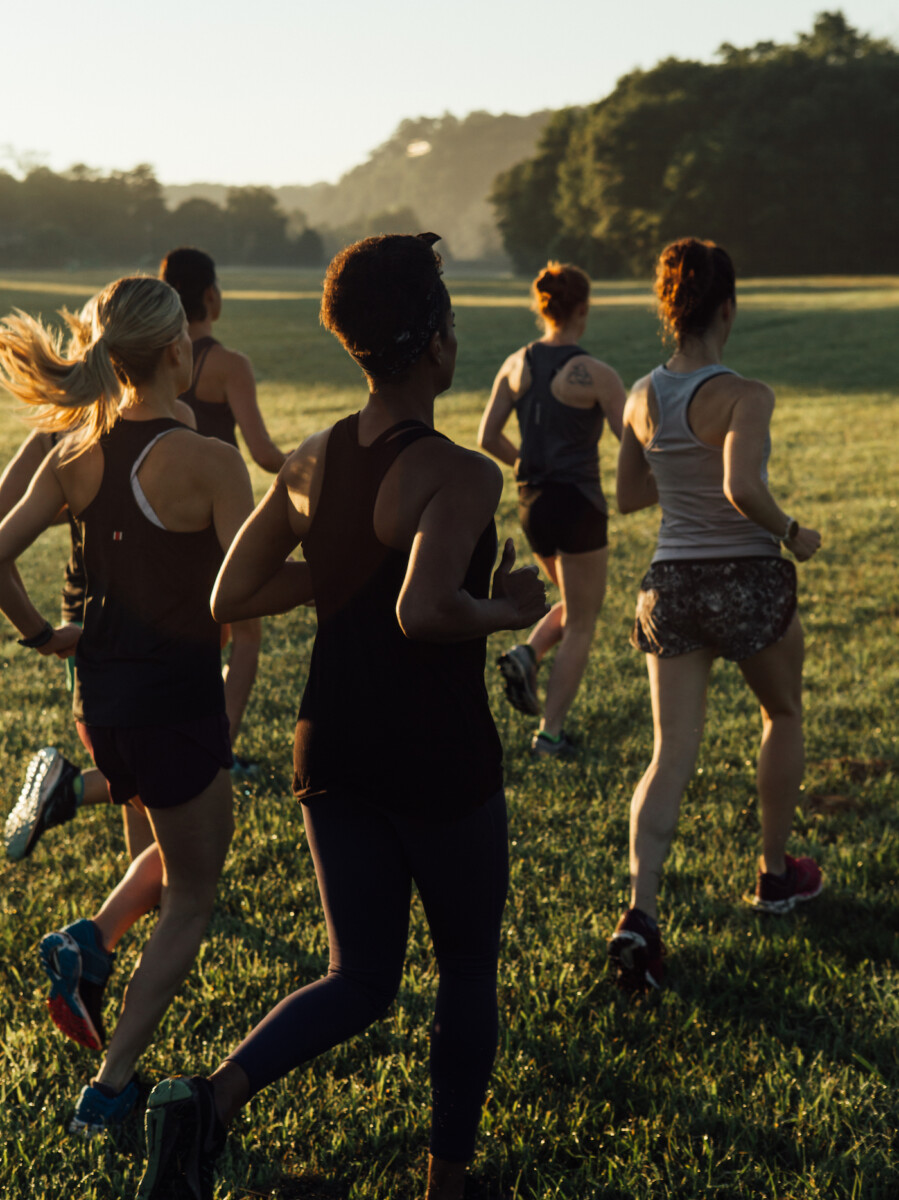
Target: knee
(375,989)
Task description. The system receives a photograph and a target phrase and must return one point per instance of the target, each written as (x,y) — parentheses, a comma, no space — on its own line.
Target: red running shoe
(636,951)
(780,894)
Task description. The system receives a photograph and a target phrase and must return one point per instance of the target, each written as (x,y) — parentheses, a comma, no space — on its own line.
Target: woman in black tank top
(396,758)
(156,505)
(561,396)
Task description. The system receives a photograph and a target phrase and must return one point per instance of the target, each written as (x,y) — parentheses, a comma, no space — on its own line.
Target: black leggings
(366,862)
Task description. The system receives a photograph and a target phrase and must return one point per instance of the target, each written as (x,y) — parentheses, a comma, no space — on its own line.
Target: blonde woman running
(561,397)
(156,505)
(696,441)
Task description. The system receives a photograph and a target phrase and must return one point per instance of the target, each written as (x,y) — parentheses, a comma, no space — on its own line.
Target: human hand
(63,643)
(522,590)
(804,544)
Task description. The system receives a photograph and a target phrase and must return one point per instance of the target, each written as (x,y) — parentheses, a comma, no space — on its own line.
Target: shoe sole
(43,774)
(519,691)
(628,952)
(61,959)
(780,908)
(169,1137)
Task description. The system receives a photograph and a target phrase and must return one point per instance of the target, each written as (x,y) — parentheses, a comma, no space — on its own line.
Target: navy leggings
(366,862)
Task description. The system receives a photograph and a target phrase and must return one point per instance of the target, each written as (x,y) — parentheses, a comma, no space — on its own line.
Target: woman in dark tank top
(561,396)
(396,759)
(156,505)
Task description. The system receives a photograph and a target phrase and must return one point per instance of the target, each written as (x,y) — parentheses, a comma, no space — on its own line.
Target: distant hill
(437,170)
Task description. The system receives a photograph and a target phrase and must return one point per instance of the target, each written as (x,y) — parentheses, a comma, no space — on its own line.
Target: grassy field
(767,1068)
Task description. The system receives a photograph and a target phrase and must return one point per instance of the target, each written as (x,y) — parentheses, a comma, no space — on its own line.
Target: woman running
(222,394)
(396,758)
(156,505)
(696,441)
(561,396)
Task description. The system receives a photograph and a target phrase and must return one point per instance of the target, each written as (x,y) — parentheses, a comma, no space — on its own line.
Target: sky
(287,91)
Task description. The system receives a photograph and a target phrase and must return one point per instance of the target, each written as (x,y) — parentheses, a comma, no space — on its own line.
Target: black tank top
(404,724)
(558,441)
(150,651)
(213,419)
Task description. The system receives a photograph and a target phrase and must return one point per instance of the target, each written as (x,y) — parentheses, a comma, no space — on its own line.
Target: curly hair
(693,278)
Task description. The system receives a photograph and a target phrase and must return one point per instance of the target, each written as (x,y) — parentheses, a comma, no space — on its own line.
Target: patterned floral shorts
(734,607)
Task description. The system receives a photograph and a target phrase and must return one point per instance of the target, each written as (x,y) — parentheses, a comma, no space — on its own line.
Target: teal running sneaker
(78,968)
(184,1138)
(98,1107)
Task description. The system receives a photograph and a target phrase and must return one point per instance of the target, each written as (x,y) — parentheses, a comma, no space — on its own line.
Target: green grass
(768,1068)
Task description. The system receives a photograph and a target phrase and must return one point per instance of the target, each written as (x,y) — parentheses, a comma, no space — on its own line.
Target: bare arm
(35,512)
(612,397)
(240,392)
(499,408)
(744,450)
(21,469)
(433,606)
(635,485)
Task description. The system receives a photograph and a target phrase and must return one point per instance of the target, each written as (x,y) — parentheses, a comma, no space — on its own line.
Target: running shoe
(636,951)
(184,1138)
(47,799)
(543,745)
(518,668)
(245,769)
(78,967)
(780,894)
(98,1107)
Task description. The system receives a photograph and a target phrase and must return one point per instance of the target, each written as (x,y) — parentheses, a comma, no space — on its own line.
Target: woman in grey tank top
(561,397)
(696,441)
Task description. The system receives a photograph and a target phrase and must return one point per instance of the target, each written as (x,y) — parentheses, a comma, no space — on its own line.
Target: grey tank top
(698,520)
(559,443)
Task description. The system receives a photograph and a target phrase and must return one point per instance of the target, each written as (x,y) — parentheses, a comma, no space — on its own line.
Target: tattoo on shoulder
(580,375)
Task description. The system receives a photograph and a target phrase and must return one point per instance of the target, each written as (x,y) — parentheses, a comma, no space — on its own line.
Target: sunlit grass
(767,1069)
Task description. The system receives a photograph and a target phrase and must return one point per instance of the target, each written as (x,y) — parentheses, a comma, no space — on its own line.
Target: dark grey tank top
(698,520)
(559,443)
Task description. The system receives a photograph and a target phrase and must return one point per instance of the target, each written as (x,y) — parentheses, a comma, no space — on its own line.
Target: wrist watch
(791,530)
(38,639)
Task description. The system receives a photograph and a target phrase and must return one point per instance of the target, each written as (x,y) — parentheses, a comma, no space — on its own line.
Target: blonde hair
(115,342)
(558,291)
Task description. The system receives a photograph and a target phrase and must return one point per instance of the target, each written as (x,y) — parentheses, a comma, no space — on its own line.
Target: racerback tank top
(150,650)
(404,724)
(213,419)
(698,520)
(558,441)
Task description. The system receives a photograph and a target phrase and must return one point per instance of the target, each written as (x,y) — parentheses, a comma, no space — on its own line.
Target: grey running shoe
(47,799)
(98,1107)
(780,894)
(184,1138)
(545,746)
(518,668)
(636,951)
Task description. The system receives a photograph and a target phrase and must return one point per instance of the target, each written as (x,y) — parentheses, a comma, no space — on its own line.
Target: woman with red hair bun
(561,396)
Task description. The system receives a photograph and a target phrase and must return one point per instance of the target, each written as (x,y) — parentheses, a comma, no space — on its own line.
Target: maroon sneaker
(781,893)
(636,951)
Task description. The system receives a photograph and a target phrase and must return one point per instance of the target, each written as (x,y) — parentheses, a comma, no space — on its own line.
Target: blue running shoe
(98,1107)
(46,800)
(184,1138)
(78,967)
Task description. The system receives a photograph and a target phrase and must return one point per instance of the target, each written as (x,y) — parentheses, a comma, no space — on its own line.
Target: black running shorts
(557,518)
(734,607)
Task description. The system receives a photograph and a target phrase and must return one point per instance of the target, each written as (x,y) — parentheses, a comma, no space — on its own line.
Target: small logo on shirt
(117,535)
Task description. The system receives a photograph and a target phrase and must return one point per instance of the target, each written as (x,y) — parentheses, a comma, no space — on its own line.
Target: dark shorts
(557,518)
(165,765)
(734,607)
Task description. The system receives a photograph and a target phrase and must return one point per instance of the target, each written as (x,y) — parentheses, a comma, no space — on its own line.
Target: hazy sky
(288,91)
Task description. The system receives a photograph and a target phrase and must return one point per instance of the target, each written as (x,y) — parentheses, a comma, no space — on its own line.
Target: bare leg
(135,895)
(138,831)
(231,1089)
(246,638)
(775,675)
(95,789)
(193,840)
(582,581)
(446,1180)
(677,687)
(548,630)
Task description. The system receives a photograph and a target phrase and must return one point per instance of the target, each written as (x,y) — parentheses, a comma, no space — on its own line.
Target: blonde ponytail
(114,343)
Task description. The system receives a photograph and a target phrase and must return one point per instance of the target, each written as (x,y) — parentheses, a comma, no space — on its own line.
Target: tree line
(788,155)
(82,217)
